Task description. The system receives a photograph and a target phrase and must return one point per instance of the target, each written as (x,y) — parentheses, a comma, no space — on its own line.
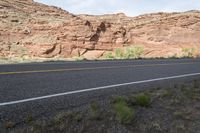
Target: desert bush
(124,113)
(134,52)
(79,58)
(143,100)
(109,55)
(188,52)
(119,54)
(117,99)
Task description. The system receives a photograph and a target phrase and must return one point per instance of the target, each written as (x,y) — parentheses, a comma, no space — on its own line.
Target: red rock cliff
(33,29)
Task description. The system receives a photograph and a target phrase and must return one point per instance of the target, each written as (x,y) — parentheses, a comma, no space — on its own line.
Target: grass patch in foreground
(95,112)
(124,113)
(143,100)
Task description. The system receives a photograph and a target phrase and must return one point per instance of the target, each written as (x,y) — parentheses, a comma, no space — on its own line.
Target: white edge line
(96,88)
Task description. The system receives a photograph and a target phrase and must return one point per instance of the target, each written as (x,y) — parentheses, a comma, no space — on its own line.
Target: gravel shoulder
(158,110)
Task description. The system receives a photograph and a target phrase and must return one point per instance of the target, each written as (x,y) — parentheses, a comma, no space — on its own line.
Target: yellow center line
(91,68)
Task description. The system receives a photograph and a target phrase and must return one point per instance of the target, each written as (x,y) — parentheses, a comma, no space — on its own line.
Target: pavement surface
(41,89)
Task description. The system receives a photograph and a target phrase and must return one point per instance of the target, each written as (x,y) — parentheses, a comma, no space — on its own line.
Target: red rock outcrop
(28,28)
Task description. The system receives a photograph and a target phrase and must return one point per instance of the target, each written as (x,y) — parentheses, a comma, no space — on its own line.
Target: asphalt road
(42,88)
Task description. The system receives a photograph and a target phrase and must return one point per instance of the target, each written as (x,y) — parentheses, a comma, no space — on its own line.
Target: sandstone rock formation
(32,29)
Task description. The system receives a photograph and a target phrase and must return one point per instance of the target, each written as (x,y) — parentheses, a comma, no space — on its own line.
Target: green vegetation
(63,116)
(118,99)
(132,52)
(109,55)
(143,100)
(95,112)
(119,54)
(60,117)
(188,52)
(79,58)
(124,113)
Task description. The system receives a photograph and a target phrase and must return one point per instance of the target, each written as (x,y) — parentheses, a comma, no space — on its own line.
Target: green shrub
(119,53)
(118,99)
(143,100)
(124,113)
(79,58)
(109,55)
(134,52)
(188,52)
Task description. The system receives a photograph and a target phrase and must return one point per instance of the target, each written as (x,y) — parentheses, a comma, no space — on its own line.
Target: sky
(129,7)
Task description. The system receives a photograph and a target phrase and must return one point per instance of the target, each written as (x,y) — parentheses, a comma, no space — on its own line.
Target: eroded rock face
(33,29)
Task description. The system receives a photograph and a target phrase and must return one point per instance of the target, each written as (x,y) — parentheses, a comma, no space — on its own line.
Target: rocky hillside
(32,29)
